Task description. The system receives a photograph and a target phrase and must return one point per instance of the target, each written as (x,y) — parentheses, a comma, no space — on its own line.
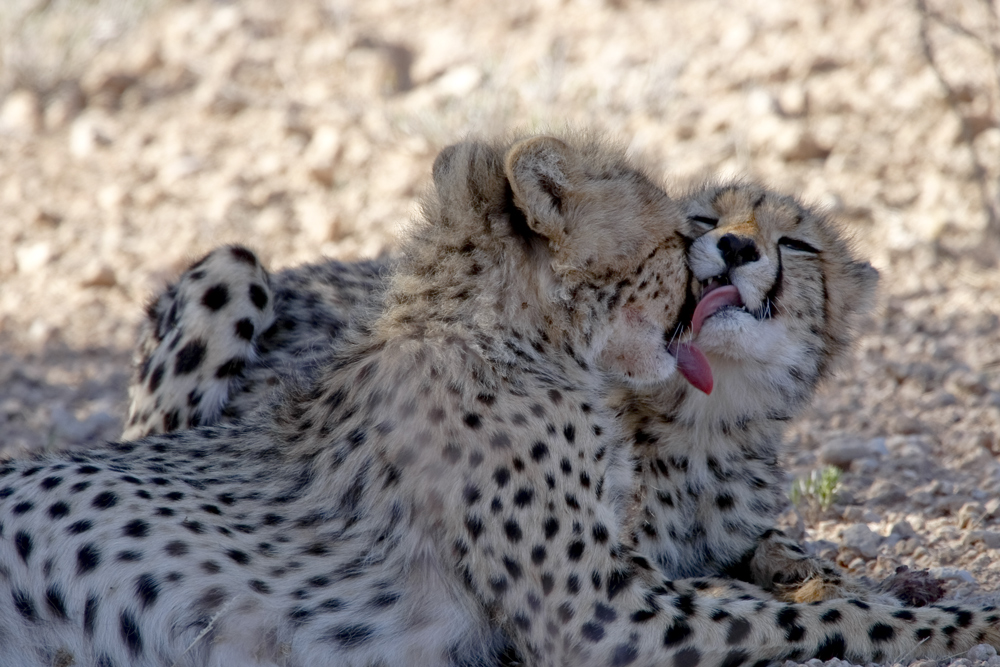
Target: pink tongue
(692,364)
(710,304)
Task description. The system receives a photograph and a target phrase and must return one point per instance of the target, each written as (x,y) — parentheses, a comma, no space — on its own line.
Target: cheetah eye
(704,220)
(795,244)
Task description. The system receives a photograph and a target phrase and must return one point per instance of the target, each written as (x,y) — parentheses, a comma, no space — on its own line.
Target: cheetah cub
(386,514)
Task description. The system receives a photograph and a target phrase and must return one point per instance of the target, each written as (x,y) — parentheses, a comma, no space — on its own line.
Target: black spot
(104,500)
(501,476)
(156,377)
(512,530)
(676,633)
(569,432)
(147,589)
(244,328)
(259,586)
(24,545)
(604,613)
(881,632)
(189,357)
(833,646)
(241,254)
(724,501)
(215,297)
(211,567)
(593,632)
(211,509)
(472,420)
(734,658)
(600,533)
(384,600)
(129,556)
(624,654)
(474,525)
(859,604)
(551,527)
(831,616)
(350,636)
(258,296)
(87,559)
(575,550)
(22,507)
(739,630)
(136,528)
(50,483)
(176,548)
(904,615)
(688,657)
(25,605)
(79,527)
(55,602)
(924,633)
(232,368)
(130,633)
(523,497)
(538,554)
(539,451)
(238,557)
(195,527)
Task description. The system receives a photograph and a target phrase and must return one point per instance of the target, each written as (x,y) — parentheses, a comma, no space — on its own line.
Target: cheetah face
(775,282)
(617,258)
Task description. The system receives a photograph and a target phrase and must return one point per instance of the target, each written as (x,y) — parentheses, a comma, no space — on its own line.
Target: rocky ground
(136,135)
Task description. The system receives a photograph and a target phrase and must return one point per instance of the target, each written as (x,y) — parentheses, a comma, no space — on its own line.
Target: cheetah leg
(197,340)
(779,565)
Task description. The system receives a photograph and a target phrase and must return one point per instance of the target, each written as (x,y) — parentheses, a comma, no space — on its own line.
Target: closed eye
(705,220)
(795,244)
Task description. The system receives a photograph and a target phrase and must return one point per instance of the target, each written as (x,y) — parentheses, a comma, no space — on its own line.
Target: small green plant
(818,490)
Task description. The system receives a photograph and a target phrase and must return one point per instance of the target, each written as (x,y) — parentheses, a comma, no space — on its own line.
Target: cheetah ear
(543,173)
(469,177)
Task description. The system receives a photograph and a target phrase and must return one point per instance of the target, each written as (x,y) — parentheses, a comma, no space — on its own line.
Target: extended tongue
(712,302)
(692,364)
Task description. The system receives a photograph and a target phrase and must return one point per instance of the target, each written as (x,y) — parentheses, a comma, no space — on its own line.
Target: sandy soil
(136,135)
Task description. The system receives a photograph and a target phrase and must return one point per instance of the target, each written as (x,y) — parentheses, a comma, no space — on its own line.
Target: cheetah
(711,485)
(415,502)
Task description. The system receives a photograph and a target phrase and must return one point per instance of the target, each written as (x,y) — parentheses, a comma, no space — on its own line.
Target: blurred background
(136,135)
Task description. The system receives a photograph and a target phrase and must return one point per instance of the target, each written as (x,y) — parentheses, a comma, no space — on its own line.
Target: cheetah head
(776,283)
(613,256)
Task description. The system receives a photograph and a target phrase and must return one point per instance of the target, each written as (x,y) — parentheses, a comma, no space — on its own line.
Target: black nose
(737,250)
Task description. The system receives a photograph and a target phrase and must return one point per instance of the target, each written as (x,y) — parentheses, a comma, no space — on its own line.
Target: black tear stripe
(774,293)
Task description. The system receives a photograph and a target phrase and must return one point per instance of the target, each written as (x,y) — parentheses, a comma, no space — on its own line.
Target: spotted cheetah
(711,485)
(429,489)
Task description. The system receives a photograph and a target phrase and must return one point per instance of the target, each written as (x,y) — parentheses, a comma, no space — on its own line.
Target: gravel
(133,141)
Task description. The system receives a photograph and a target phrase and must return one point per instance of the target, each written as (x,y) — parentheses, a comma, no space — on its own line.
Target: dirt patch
(307,129)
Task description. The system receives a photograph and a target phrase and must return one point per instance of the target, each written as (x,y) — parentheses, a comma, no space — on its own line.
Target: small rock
(903,529)
(924,663)
(323,154)
(32,257)
(970,515)
(990,538)
(861,539)
(842,451)
(64,105)
(21,112)
(991,507)
(85,136)
(99,275)
(981,653)
(952,574)
(803,146)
